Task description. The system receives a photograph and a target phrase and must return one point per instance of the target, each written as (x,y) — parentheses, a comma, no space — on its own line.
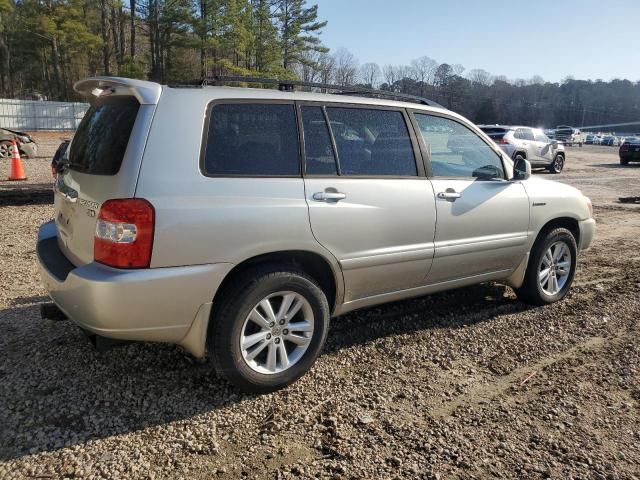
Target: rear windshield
(102,137)
(494,133)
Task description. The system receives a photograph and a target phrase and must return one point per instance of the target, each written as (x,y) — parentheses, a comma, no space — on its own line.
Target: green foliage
(50,44)
(133,68)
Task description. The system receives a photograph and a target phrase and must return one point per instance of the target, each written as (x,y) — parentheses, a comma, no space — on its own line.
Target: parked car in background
(529,143)
(630,150)
(569,135)
(610,141)
(591,139)
(26,145)
(264,221)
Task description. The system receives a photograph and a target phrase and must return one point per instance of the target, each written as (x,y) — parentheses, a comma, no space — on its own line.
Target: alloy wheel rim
(5,150)
(555,268)
(558,165)
(277,332)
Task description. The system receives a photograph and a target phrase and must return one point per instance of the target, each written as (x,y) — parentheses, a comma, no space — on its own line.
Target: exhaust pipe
(50,311)
(103,344)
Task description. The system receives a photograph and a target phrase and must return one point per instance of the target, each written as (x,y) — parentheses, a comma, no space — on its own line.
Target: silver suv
(529,143)
(238,221)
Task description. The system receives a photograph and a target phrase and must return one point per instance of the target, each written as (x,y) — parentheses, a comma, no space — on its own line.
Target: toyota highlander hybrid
(238,221)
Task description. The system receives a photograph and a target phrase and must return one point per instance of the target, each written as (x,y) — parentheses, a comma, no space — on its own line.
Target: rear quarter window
(101,140)
(251,139)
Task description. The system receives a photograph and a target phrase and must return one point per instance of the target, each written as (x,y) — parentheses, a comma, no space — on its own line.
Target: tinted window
(101,139)
(540,137)
(524,134)
(252,139)
(372,142)
(317,143)
(494,133)
(456,151)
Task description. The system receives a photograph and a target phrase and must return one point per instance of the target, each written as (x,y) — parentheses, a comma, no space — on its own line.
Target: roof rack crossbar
(289,86)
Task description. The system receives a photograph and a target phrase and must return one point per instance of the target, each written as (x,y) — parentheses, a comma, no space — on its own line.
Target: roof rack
(289,86)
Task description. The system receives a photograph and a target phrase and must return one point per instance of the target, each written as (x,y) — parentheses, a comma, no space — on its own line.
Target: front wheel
(269,329)
(557,165)
(552,266)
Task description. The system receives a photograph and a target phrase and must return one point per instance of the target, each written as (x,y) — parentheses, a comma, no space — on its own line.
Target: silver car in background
(236,221)
(529,143)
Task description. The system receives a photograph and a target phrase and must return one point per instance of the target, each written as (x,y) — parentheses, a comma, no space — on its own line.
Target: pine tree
(299,29)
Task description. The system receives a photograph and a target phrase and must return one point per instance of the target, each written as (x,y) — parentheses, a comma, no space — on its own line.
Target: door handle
(449,195)
(328,196)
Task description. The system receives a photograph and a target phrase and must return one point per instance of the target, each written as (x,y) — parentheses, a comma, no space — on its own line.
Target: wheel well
(569,223)
(311,263)
(522,154)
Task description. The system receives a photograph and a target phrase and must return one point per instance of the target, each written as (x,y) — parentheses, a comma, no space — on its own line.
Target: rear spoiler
(147,93)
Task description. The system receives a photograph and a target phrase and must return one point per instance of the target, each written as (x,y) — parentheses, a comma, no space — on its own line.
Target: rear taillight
(124,233)
(502,141)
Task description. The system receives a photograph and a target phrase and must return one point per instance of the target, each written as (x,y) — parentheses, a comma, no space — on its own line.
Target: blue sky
(587,39)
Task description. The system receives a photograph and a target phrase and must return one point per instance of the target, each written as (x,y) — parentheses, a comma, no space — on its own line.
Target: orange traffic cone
(17,172)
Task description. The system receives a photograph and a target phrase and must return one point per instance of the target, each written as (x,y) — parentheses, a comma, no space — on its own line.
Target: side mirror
(521,168)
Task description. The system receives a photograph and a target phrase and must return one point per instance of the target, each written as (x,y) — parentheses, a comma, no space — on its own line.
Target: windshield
(101,139)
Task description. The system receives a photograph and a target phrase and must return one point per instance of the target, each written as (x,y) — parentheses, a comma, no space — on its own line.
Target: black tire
(238,300)
(624,161)
(531,291)
(557,165)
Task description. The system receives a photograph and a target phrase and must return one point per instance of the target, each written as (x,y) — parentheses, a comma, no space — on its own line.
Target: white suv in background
(529,143)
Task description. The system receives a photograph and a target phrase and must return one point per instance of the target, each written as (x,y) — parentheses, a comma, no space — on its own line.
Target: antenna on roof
(290,85)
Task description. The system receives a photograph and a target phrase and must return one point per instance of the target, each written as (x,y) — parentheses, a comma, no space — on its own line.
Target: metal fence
(38,115)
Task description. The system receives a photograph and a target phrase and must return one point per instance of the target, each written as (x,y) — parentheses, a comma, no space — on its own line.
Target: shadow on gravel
(615,165)
(58,391)
(450,309)
(25,194)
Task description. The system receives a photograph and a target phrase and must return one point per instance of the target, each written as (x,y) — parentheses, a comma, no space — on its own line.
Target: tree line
(47,45)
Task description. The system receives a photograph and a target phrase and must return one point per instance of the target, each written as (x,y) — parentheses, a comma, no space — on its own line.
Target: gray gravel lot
(464,384)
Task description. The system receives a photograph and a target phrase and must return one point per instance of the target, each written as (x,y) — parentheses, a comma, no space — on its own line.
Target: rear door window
(101,140)
(253,139)
(318,151)
(372,142)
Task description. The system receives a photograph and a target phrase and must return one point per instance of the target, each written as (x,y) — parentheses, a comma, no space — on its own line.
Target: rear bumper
(630,156)
(587,232)
(158,304)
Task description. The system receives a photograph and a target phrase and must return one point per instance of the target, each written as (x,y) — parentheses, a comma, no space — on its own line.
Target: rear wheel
(557,165)
(551,268)
(269,329)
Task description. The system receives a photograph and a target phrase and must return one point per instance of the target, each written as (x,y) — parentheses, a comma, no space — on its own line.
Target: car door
(369,201)
(482,218)
(527,141)
(545,149)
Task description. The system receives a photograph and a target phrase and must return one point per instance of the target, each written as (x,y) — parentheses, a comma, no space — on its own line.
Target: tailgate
(103,163)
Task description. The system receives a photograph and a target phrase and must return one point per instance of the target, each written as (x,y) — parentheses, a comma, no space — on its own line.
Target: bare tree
(326,67)
(480,76)
(346,67)
(370,74)
(457,69)
(423,69)
(390,73)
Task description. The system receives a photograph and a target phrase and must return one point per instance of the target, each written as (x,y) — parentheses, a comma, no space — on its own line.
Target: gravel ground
(469,383)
